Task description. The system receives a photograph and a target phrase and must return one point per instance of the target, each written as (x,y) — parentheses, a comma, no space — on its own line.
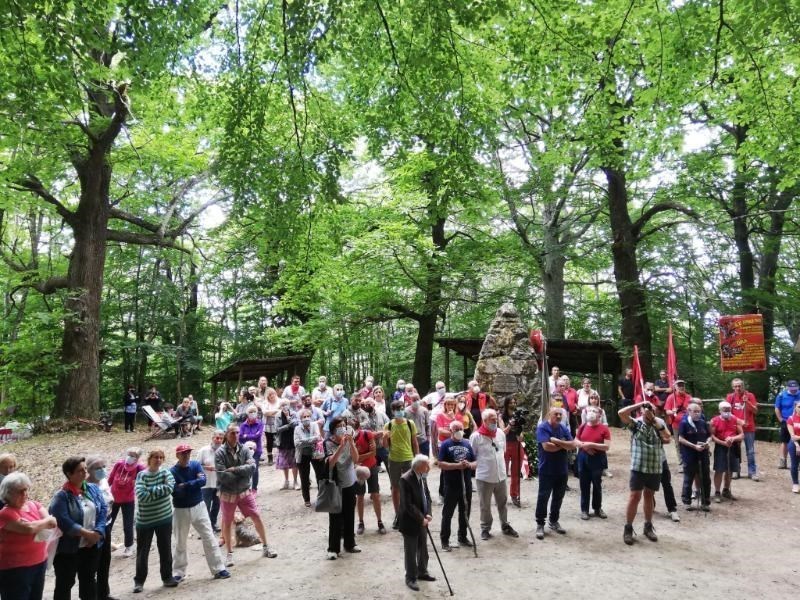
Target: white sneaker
(285,485)
(332,556)
(796,488)
(128,552)
(296,485)
(674,516)
(608,474)
(229,559)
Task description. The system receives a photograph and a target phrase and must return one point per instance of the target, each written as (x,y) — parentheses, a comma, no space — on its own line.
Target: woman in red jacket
(122,481)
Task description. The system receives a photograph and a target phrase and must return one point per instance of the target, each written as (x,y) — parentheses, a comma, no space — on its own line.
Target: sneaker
(796,488)
(735,476)
(128,552)
(381,528)
(717,498)
(690,507)
(360,528)
(224,574)
(216,529)
(674,516)
(170,583)
(308,504)
(727,494)
(680,468)
(229,559)
(694,494)
(137,588)
(296,486)
(332,555)
(782,463)
(353,550)
(178,578)
(608,474)
(382,469)
(584,515)
(600,513)
(395,524)
(628,534)
(285,485)
(269,460)
(540,532)
(509,531)
(556,526)
(446,547)
(267,553)
(650,532)
(706,508)
(515,501)
(754,477)
(485,535)
(462,541)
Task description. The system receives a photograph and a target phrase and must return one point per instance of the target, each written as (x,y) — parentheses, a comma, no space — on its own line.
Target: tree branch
(35,186)
(660,207)
(143,239)
(403,311)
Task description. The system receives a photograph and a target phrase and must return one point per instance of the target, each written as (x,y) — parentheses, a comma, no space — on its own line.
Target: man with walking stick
(457,461)
(414,516)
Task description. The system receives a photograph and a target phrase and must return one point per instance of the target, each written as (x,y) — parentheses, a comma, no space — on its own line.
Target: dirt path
(739,550)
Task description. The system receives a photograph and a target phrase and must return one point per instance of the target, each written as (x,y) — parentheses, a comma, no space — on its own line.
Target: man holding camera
(648,436)
(694,437)
(513,419)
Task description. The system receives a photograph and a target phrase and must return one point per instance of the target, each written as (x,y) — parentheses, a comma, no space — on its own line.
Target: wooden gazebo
(582,357)
(277,369)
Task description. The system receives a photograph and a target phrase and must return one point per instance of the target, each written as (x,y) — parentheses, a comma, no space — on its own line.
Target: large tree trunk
(552,269)
(632,298)
(78,389)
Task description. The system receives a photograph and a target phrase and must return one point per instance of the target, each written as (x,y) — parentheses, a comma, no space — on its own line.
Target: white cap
(724,404)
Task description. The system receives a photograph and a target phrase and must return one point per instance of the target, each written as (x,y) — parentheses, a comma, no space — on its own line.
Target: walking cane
(441,566)
(466,510)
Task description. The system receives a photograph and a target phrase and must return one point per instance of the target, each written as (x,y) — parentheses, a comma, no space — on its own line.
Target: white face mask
(591,417)
(458,435)
(306,422)
(440,391)
(476,389)
(725,415)
(648,393)
(130,460)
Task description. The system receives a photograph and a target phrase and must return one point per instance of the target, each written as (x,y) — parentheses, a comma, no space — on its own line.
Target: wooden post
(214,392)
(239,383)
(464,386)
(600,373)
(447,367)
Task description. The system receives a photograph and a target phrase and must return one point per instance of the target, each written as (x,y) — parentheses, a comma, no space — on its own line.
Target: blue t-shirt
(698,433)
(189,495)
(785,403)
(552,463)
(454,452)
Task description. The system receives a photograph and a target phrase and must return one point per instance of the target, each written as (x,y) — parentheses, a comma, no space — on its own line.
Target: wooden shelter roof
(270,367)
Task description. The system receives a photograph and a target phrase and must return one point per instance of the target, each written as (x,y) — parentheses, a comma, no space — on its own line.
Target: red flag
(638,381)
(672,361)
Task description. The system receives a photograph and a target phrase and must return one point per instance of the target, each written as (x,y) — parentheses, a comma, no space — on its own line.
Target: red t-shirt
(744,407)
(724,428)
(794,421)
(16,549)
(443,421)
(596,434)
(571,397)
(679,403)
(362,445)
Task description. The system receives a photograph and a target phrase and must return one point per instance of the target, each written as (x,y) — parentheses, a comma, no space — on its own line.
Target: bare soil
(739,550)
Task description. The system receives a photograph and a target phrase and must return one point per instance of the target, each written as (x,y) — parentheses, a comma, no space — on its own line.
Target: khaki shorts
(396,470)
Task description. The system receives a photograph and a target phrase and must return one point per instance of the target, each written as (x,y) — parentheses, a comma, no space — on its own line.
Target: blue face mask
(399,414)
(491,426)
(100,474)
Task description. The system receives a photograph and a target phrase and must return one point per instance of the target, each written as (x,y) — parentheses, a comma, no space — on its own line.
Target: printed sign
(741,343)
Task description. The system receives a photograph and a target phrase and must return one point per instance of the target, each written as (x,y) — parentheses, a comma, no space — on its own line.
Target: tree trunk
(78,389)
(632,298)
(552,268)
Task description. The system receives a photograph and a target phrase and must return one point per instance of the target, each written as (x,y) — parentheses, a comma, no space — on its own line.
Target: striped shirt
(154,497)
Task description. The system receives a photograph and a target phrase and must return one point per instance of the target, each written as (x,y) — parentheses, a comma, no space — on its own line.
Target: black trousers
(694,465)
(104,566)
(415,549)
(82,563)
(454,497)
(666,485)
(342,524)
(304,466)
(127,509)
(130,421)
(591,480)
(144,539)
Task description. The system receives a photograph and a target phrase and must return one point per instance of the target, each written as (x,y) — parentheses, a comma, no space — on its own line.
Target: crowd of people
(349,441)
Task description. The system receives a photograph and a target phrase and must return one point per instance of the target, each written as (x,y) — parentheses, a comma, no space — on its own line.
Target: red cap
(183,448)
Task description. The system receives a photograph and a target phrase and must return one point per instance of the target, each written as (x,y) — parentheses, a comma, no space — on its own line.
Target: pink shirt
(123,479)
(16,549)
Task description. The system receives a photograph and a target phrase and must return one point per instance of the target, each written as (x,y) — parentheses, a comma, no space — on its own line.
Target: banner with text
(741,343)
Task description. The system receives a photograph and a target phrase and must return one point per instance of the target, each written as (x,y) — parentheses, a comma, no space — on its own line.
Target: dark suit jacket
(411,516)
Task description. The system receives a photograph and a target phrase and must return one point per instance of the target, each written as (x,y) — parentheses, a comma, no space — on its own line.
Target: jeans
(211,500)
(304,466)
(144,539)
(415,549)
(127,520)
(342,524)
(591,481)
(666,485)
(82,563)
(254,482)
(697,463)
(555,485)
(23,583)
(794,461)
(425,448)
(454,496)
(750,447)
(382,455)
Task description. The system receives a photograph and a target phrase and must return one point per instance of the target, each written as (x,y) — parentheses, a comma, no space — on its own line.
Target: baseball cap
(680,382)
(792,383)
(183,448)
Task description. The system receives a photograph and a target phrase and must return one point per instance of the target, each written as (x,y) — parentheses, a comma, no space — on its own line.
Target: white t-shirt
(583,397)
(206,459)
(489,454)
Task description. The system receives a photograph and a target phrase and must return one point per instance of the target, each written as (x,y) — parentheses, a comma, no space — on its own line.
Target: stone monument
(507,364)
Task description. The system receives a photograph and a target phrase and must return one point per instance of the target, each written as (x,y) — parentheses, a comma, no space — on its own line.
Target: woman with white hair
(23,557)
(122,480)
(341,454)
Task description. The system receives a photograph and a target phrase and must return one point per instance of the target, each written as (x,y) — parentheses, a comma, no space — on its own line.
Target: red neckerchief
(75,491)
(295,388)
(483,430)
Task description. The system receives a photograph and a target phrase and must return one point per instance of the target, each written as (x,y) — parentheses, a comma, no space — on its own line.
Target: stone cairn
(506,365)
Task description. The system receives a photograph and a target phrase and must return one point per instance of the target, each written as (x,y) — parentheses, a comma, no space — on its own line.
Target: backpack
(410,431)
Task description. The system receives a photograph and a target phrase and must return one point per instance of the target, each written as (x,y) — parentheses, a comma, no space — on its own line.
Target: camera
(647,406)
(520,418)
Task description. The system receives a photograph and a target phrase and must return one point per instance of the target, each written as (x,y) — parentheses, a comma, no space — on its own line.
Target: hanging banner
(741,343)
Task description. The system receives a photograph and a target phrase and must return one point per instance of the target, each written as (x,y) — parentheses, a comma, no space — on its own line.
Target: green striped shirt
(154,497)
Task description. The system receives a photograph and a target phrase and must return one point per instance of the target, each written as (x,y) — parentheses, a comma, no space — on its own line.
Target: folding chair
(164,424)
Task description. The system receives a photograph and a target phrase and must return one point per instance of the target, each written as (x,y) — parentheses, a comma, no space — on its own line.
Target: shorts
(396,470)
(245,503)
(639,481)
(726,459)
(372,485)
(784,433)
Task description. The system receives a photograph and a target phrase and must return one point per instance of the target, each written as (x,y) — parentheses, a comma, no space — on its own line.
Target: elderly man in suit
(413,519)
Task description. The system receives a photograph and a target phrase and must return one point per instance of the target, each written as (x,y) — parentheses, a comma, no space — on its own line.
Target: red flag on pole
(672,361)
(638,380)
